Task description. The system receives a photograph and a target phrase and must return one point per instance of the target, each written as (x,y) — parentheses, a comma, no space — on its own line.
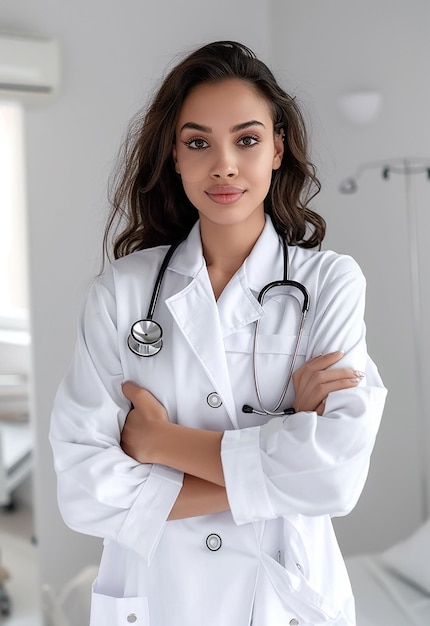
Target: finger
(340,373)
(131,391)
(313,358)
(318,362)
(322,361)
(337,385)
(315,365)
(320,408)
(319,392)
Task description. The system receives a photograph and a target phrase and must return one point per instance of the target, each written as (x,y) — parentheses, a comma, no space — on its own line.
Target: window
(13,240)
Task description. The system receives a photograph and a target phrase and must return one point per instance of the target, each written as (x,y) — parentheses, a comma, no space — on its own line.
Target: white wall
(113,52)
(325,49)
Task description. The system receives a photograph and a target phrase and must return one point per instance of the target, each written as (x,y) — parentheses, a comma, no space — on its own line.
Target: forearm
(191,450)
(198,497)
(149,437)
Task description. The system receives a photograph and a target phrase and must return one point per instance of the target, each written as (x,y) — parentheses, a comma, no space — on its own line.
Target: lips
(225,194)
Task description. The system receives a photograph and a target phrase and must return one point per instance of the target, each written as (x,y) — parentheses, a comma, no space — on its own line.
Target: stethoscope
(146,335)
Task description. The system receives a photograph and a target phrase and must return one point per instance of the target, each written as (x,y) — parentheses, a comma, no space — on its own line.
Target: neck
(228,246)
(225,248)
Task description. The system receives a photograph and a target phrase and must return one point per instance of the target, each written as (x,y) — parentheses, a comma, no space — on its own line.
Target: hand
(144,422)
(149,437)
(313,381)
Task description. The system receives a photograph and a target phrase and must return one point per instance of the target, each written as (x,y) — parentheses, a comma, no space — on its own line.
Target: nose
(225,165)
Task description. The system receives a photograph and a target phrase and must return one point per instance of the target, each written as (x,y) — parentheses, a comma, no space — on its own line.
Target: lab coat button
(294,622)
(213,542)
(214,400)
(131,618)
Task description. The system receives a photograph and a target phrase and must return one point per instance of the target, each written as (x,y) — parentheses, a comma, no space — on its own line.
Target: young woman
(210,469)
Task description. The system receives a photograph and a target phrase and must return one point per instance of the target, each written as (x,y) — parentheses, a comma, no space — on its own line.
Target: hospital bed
(15,433)
(16,442)
(393,588)
(16,446)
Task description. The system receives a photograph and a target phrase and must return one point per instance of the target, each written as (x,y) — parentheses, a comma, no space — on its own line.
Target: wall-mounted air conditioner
(29,67)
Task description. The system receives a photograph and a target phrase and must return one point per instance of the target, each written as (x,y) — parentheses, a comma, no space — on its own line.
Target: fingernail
(359,374)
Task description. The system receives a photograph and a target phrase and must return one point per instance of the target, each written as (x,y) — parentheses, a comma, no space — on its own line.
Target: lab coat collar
(238,305)
(264,264)
(266,261)
(188,259)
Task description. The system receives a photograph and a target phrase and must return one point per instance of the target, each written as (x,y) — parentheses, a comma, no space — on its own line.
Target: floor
(19,557)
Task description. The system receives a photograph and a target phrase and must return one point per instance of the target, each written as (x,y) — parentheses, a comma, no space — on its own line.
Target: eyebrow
(233,129)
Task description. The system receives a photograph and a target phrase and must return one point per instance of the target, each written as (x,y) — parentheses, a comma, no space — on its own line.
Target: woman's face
(226,150)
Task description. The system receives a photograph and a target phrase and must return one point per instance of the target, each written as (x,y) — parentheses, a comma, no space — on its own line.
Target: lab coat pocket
(273,360)
(111,611)
(299,600)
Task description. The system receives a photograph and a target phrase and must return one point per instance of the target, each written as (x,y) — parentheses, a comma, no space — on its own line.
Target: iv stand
(409,167)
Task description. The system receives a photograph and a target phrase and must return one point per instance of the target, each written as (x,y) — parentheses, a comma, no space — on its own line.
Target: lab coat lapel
(195,312)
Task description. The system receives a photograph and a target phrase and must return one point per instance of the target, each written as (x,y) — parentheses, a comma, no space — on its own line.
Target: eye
(248,140)
(196,144)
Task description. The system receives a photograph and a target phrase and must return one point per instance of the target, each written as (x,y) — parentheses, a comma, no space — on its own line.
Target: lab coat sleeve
(305,463)
(101,490)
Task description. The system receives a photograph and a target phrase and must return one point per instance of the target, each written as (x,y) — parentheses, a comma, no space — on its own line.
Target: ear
(279,149)
(175,159)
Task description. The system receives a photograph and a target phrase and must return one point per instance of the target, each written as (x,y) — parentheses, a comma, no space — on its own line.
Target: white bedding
(383,597)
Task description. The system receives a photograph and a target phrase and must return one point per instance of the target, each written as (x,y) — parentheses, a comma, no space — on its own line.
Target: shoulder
(323,260)
(326,264)
(139,261)
(137,264)
(135,270)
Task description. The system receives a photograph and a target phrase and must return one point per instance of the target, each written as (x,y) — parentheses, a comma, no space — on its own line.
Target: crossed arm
(149,437)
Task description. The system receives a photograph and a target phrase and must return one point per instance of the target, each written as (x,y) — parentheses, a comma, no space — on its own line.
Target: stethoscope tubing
(145,338)
(305,307)
(159,279)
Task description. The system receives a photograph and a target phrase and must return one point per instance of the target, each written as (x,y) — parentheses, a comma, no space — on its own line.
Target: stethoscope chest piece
(145,338)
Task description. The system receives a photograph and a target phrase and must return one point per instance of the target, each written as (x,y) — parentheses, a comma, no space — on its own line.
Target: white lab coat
(274,559)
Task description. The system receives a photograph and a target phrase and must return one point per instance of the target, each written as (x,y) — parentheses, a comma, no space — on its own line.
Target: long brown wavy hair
(149,205)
